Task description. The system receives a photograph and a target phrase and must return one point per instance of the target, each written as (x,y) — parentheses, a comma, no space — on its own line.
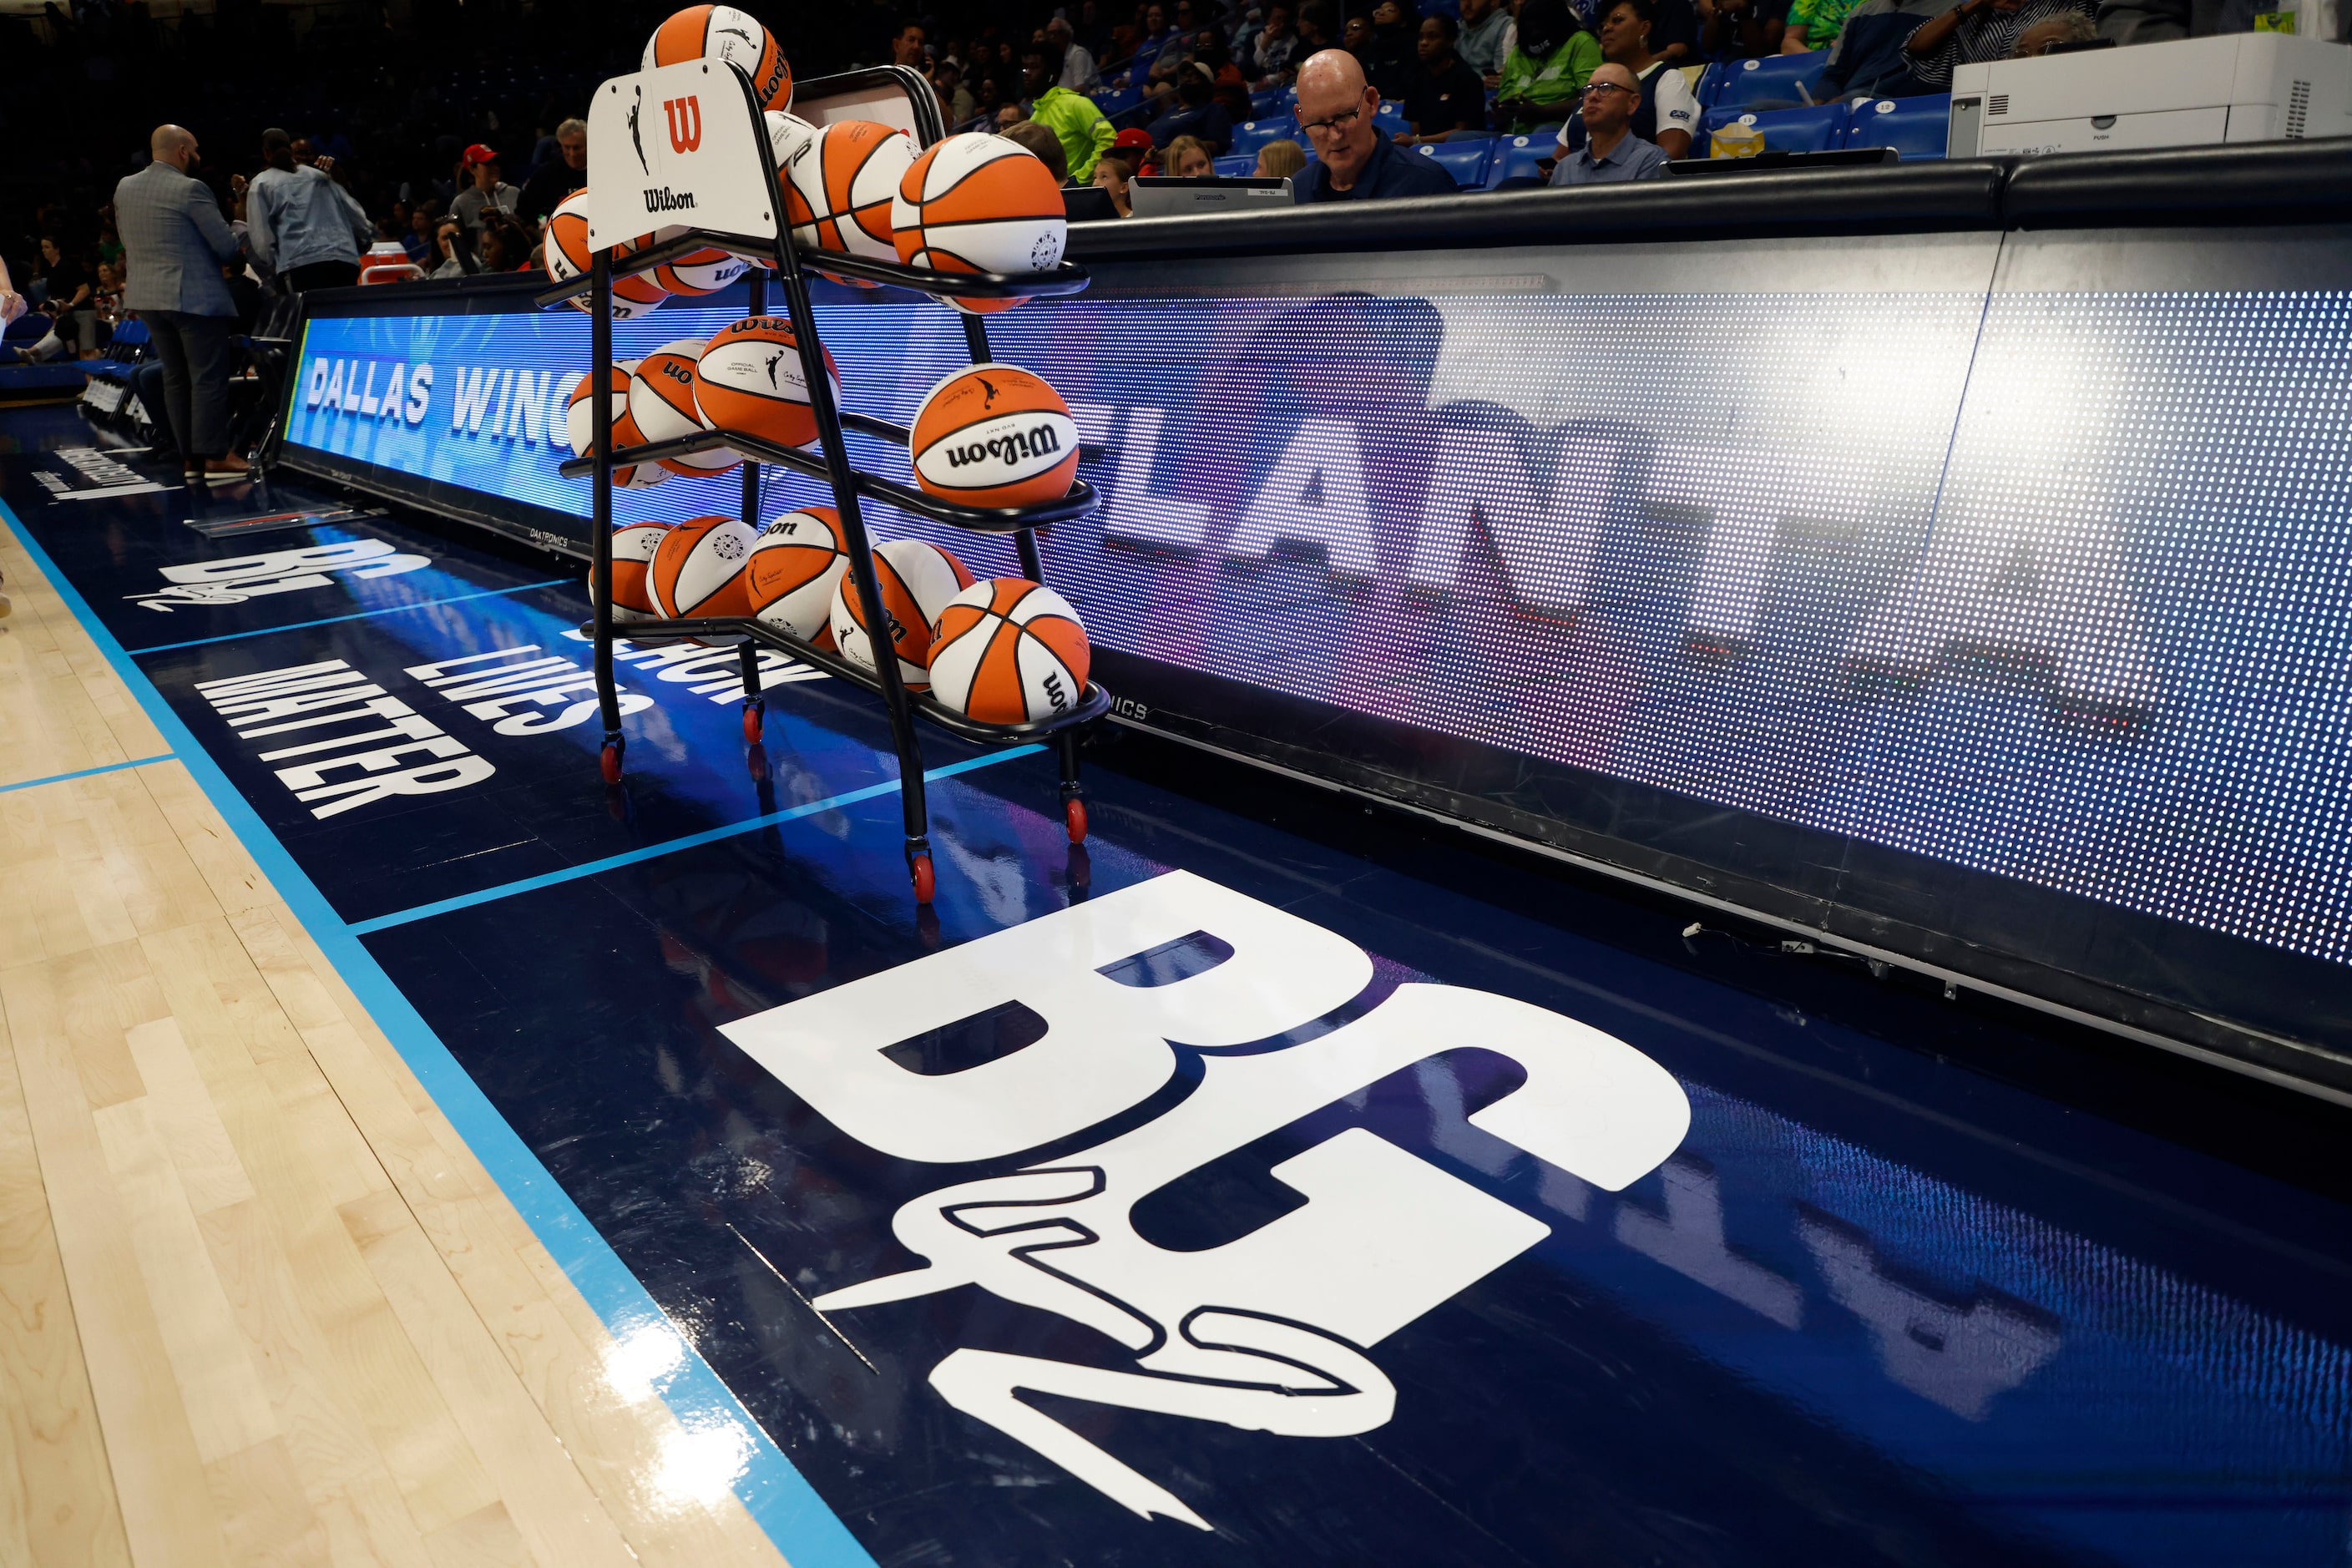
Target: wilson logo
(1014,446)
(664,200)
(684,123)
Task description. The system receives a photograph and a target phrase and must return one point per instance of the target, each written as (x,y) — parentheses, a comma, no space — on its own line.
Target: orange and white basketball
(975,202)
(704,271)
(1009,651)
(724,33)
(917,580)
(662,402)
(839,186)
(568,257)
(748,378)
(633,557)
(580,422)
(786,134)
(796,564)
(996,436)
(698,569)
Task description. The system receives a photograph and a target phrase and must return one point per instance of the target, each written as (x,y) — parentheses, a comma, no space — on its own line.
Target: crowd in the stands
(330,131)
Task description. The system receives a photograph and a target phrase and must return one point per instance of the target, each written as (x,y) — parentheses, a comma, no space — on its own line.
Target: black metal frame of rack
(832,463)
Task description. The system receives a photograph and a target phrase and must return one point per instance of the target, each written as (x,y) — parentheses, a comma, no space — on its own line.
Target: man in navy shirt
(1358,162)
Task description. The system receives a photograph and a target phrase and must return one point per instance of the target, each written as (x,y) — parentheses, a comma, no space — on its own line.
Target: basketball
(633,556)
(662,403)
(1009,651)
(568,257)
(917,580)
(795,567)
(723,33)
(748,378)
(697,569)
(786,134)
(996,436)
(579,429)
(975,202)
(704,271)
(839,187)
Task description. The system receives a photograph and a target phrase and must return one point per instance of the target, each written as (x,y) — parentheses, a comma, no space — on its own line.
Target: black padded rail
(1925,197)
(2277,182)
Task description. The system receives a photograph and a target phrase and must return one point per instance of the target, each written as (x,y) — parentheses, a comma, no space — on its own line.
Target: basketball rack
(830,462)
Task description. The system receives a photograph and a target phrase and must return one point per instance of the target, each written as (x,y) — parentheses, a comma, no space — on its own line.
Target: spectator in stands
(13,305)
(1040,139)
(1978,31)
(1075,118)
(989,100)
(1317,31)
(907,49)
(1391,61)
(1113,170)
(1272,50)
(1483,38)
(1280,160)
(506,245)
(1189,158)
(1012,114)
(956,102)
(1078,73)
(1197,113)
(1867,60)
(1444,95)
(418,240)
(453,251)
(1611,153)
(2042,37)
(1544,74)
(1157,35)
(1741,29)
(65,286)
(300,224)
(558,177)
(176,240)
(1336,108)
(1813,24)
(487,191)
(1668,112)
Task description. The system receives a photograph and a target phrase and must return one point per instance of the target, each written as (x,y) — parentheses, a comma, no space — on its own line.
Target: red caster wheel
(610,764)
(1073,815)
(754,725)
(926,883)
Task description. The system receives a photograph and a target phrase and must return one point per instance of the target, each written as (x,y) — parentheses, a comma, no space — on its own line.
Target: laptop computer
(1163,196)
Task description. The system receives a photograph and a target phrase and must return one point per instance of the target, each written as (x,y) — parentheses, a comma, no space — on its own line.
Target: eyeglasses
(1593,88)
(1332,127)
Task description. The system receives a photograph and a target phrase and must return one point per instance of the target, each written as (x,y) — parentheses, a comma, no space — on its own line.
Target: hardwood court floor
(258,1302)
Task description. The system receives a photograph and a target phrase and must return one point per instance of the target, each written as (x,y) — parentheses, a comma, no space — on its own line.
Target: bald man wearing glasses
(1611,151)
(1357,161)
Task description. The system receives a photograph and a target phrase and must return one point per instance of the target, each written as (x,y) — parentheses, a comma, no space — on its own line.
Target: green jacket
(1084,131)
(1560,78)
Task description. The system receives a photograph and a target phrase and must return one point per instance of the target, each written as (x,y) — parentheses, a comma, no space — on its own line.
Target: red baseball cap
(479,152)
(1133,136)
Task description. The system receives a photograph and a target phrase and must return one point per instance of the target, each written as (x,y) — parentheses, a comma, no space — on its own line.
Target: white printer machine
(2192,93)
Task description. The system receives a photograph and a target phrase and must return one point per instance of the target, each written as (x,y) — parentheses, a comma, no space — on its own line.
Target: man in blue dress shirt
(1359,162)
(1611,151)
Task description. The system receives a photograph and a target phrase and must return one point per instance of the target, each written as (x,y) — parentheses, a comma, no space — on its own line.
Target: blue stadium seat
(1272,102)
(1515,159)
(1774,83)
(1711,81)
(1238,165)
(1118,101)
(1391,114)
(1465,158)
(1785,129)
(1914,127)
(1251,134)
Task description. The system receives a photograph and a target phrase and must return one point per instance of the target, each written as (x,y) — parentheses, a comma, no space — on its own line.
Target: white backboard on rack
(678,145)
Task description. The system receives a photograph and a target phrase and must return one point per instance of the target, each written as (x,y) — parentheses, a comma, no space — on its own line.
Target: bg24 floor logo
(1271,1331)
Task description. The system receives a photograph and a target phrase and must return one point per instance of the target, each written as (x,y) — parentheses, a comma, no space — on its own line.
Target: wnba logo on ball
(684,123)
(1014,446)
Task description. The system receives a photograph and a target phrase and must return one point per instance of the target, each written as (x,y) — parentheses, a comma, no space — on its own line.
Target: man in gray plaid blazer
(175,242)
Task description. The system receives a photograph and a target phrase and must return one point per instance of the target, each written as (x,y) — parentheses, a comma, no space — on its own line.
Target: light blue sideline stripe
(84,772)
(775,1494)
(671,846)
(355,615)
